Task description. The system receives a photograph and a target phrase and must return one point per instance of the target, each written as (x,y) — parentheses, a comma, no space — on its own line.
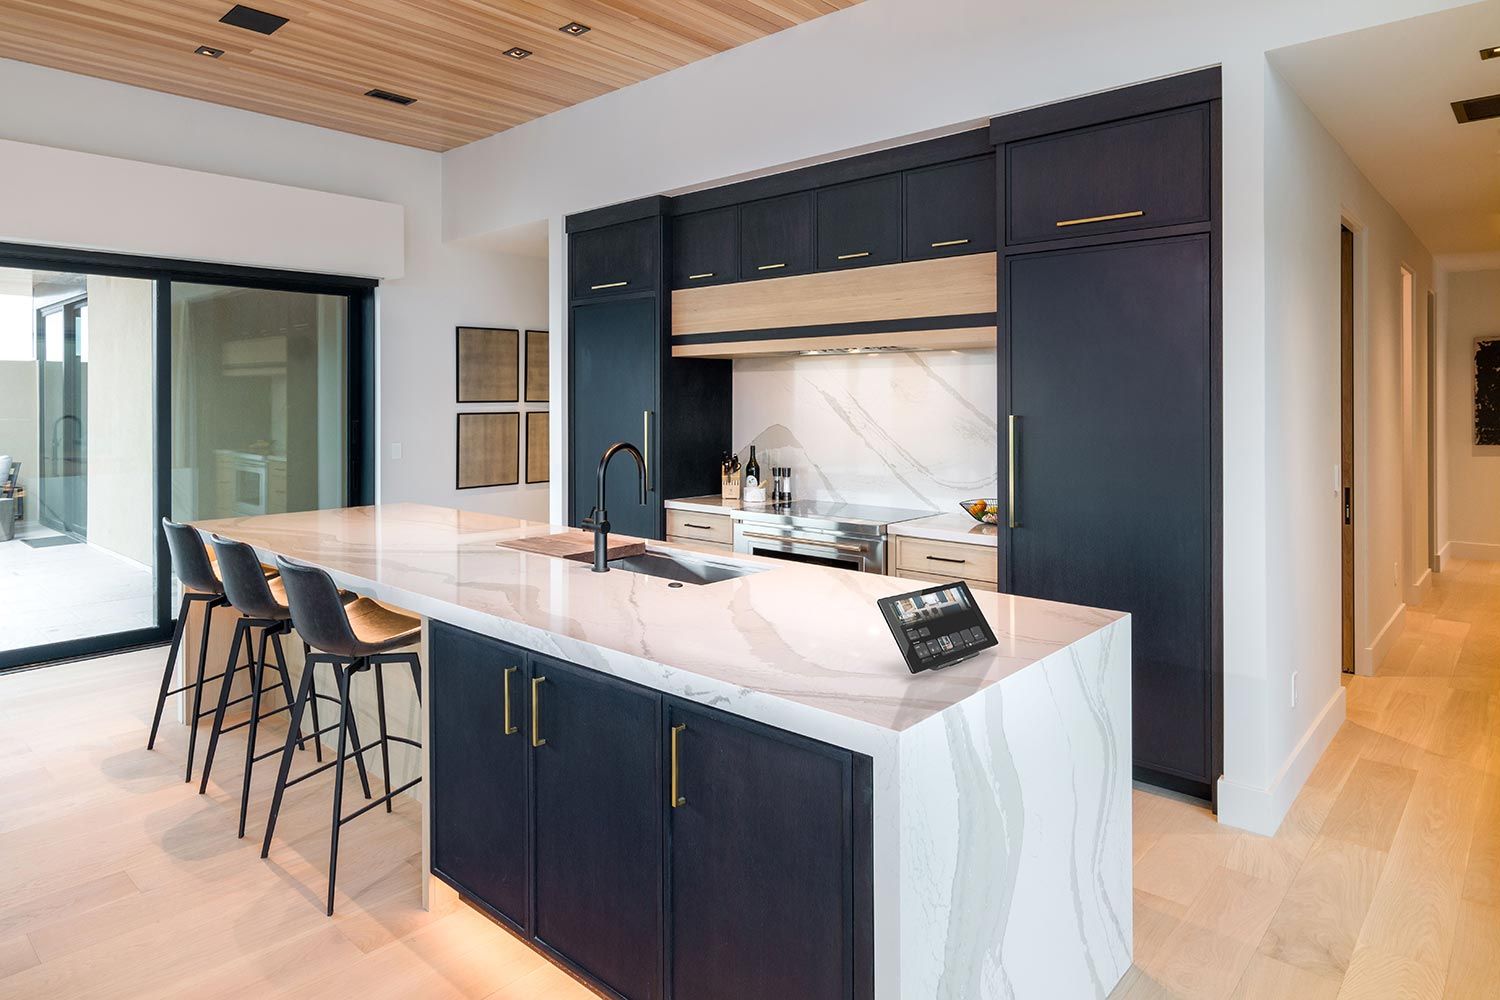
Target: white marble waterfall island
(1000,831)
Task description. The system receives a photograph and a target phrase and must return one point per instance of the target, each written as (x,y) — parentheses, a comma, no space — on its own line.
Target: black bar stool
(262,605)
(352,638)
(200,585)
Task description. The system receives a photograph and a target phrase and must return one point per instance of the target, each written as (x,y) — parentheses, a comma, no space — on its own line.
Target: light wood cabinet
(930,558)
(704,529)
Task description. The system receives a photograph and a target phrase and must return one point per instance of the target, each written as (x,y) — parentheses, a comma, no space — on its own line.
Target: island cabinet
(657,847)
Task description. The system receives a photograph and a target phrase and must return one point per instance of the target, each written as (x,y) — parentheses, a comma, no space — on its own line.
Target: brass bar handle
(1010,470)
(510,728)
(950,243)
(854,256)
(699,277)
(841,546)
(1101,218)
(608,284)
(677,800)
(646,447)
(946,559)
(536,712)
(770,267)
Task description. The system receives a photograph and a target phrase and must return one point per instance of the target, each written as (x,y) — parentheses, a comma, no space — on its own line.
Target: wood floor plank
(16,955)
(1212,946)
(1268,979)
(1318,921)
(1474,968)
(1370,807)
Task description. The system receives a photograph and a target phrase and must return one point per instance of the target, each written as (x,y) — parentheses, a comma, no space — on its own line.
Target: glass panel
(259,401)
(77,538)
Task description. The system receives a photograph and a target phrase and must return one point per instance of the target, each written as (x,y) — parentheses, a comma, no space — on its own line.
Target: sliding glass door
(133,389)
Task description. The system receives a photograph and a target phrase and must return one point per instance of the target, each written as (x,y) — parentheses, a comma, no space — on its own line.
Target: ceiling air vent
(1477,109)
(386,95)
(251,19)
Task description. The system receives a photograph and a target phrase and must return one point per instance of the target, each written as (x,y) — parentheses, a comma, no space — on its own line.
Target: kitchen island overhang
(1001,827)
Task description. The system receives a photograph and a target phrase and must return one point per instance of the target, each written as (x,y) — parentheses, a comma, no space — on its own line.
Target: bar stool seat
(354,637)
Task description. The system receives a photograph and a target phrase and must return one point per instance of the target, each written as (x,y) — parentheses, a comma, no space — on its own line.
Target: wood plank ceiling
(448,54)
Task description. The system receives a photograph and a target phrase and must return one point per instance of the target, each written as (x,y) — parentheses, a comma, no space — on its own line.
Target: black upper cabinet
(598,826)
(950,209)
(776,236)
(480,798)
(761,863)
(1146,172)
(705,248)
(859,224)
(615,260)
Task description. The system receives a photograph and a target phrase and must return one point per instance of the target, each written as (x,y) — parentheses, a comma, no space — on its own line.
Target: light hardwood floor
(117,880)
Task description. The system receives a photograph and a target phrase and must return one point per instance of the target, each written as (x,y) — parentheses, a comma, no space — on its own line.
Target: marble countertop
(956,527)
(799,646)
(711,504)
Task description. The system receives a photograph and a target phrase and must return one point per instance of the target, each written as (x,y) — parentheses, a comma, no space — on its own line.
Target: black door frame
(68,307)
(360,332)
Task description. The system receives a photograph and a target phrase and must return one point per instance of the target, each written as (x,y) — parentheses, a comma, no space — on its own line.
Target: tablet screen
(937,626)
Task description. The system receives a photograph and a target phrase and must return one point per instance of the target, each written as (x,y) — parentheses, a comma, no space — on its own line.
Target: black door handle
(1348,506)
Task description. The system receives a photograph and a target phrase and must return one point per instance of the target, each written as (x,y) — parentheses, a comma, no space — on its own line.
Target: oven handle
(801,540)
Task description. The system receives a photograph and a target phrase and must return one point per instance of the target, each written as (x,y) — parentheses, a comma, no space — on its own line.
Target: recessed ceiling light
(518,52)
(386,95)
(251,19)
(574,28)
(1489,53)
(208,50)
(1477,109)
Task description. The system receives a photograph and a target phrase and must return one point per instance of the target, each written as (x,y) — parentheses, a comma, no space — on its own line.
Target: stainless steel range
(845,535)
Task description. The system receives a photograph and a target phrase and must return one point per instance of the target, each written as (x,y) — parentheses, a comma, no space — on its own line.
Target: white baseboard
(1442,557)
(1482,551)
(1418,592)
(1367,659)
(1261,810)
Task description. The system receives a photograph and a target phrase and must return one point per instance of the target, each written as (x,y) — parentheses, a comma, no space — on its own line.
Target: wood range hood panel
(925,305)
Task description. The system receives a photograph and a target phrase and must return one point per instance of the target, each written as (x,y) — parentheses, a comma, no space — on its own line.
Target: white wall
(441,285)
(1469,521)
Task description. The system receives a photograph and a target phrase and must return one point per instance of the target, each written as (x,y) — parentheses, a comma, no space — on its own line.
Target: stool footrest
(348,756)
(189,686)
(379,801)
(263,717)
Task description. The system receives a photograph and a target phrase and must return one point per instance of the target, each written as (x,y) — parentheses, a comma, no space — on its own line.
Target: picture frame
(538,366)
(538,446)
(488,451)
(1486,391)
(487,364)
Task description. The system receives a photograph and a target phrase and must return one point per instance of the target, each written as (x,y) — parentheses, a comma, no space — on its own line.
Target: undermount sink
(682,568)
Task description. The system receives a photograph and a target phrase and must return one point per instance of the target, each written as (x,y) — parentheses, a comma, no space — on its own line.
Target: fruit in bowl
(985,511)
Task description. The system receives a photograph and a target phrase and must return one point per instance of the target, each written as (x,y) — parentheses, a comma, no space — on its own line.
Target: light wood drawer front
(939,578)
(926,555)
(724,547)
(700,527)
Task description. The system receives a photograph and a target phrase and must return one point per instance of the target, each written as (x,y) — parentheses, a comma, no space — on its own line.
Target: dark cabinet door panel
(598,826)
(1151,171)
(761,869)
(614,350)
(480,798)
(1109,382)
(950,209)
(859,224)
(706,248)
(615,260)
(776,236)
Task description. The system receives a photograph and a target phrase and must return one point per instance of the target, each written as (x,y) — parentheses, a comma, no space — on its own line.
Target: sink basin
(682,568)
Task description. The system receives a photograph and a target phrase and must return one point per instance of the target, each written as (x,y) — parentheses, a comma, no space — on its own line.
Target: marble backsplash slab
(897,430)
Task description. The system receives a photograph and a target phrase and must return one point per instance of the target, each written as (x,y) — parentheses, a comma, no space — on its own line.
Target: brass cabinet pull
(536,712)
(946,559)
(950,243)
(770,267)
(608,284)
(854,256)
(677,800)
(841,546)
(510,729)
(696,277)
(1100,218)
(1010,469)
(646,447)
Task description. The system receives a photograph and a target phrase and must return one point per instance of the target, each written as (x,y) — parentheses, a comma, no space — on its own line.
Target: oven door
(807,545)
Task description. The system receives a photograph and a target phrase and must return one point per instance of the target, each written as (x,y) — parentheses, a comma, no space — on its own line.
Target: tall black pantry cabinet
(1110,391)
(624,384)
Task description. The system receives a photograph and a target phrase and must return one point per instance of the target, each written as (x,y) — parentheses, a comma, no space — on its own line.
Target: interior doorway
(1346,436)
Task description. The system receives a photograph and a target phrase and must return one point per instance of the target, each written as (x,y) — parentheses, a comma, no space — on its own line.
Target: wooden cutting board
(574,544)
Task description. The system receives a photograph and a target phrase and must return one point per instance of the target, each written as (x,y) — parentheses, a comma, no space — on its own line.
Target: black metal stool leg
(208,618)
(257,678)
(359,757)
(293,724)
(347,710)
(385,743)
(286,684)
(230,669)
(166,677)
(317,726)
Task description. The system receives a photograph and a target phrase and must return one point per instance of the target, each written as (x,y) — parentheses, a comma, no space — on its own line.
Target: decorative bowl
(985,510)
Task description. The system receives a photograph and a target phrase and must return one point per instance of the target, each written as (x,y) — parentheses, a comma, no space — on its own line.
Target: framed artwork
(489,449)
(538,443)
(1487,391)
(537,366)
(489,364)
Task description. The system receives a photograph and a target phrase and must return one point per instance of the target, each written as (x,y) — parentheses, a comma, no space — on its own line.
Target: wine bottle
(752,469)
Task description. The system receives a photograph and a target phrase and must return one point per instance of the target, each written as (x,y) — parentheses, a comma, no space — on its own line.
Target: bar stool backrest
(317,611)
(244,581)
(190,558)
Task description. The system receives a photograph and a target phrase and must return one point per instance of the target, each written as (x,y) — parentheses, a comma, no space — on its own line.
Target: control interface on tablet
(938,626)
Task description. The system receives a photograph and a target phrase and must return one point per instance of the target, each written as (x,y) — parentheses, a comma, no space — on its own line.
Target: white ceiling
(1385,94)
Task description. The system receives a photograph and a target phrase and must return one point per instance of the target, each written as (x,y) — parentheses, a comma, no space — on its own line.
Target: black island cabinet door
(598,826)
(761,862)
(480,801)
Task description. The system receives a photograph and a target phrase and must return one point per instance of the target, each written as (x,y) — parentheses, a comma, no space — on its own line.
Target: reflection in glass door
(62,410)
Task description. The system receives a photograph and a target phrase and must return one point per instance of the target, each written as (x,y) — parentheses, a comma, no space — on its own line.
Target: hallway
(1384,879)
